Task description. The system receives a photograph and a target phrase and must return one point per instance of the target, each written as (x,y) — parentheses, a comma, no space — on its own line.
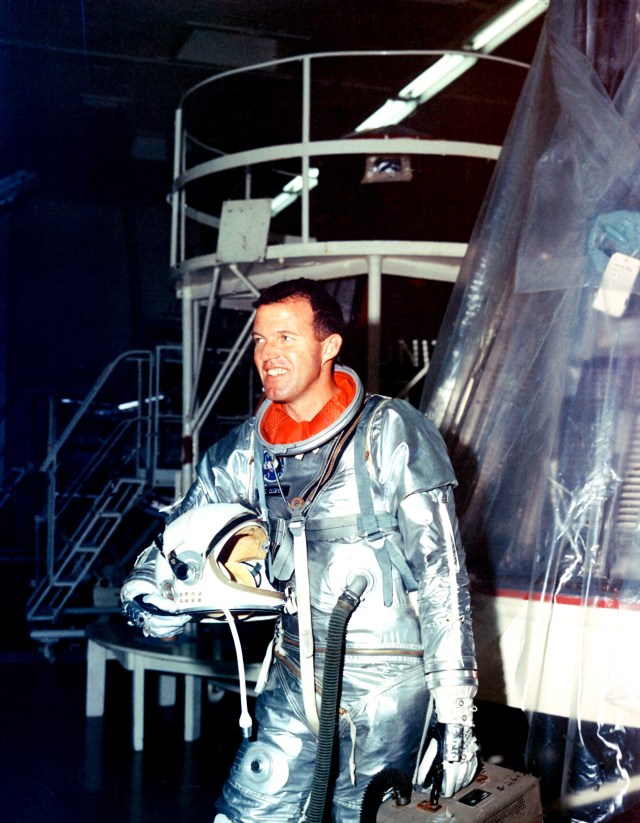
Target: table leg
(138,702)
(167,690)
(96,674)
(192,707)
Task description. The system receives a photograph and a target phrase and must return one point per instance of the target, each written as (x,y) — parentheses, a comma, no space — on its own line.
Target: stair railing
(144,450)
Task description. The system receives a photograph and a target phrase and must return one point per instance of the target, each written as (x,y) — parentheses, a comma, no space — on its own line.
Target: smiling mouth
(275,372)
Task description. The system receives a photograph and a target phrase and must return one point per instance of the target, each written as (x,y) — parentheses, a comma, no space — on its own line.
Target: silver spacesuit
(371,494)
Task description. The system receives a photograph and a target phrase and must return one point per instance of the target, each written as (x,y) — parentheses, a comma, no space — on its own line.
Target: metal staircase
(98,470)
(77,557)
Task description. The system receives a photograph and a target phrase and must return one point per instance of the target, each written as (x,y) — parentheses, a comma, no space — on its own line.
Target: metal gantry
(218,277)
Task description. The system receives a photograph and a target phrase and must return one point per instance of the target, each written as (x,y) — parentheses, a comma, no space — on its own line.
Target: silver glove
(457,745)
(144,605)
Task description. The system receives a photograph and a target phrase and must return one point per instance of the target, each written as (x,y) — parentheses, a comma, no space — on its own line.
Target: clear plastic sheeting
(535,384)
(589,166)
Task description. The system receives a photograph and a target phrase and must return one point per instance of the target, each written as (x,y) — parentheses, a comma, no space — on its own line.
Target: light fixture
(432,81)
(385,168)
(291,191)
(509,22)
(451,66)
(389,114)
(135,404)
(422,88)
(448,68)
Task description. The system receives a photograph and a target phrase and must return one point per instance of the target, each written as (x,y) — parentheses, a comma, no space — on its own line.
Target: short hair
(327,314)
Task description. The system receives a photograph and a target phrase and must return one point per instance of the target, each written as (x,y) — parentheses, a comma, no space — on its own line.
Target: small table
(183,655)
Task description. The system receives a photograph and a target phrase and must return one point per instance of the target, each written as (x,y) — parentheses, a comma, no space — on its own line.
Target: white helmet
(213,561)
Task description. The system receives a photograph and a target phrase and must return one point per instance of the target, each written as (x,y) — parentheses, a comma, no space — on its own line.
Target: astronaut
(351,485)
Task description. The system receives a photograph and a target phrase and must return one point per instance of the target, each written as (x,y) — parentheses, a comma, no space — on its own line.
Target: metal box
(497,795)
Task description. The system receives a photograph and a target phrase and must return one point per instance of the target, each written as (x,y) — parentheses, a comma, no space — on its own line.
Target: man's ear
(331,347)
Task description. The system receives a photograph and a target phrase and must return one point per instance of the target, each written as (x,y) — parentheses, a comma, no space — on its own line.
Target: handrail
(50,464)
(319,55)
(270,151)
(7,487)
(107,446)
(109,462)
(343,146)
(91,396)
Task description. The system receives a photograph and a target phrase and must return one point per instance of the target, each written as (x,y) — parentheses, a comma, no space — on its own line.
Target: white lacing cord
(245,721)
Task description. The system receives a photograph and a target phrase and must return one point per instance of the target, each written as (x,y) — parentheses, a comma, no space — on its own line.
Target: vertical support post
(374,312)
(306,136)
(192,707)
(157,364)
(187,377)
(175,197)
(182,211)
(52,469)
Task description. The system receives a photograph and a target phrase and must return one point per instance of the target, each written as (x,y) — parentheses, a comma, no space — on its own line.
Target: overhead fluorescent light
(135,404)
(422,88)
(437,77)
(451,66)
(389,114)
(432,81)
(509,22)
(291,191)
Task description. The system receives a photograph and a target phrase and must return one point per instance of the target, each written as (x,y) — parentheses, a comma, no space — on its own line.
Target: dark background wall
(85,259)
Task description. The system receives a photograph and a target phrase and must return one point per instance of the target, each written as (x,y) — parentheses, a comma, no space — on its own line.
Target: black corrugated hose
(379,786)
(331,683)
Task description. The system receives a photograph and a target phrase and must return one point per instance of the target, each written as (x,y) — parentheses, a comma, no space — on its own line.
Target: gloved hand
(455,742)
(143,603)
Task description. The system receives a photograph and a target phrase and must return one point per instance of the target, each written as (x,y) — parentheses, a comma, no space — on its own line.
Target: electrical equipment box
(497,795)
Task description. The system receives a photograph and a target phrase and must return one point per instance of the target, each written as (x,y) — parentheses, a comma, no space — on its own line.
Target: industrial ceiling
(102,70)
(88,96)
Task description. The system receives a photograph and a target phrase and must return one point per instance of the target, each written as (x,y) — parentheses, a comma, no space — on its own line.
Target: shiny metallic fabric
(393,653)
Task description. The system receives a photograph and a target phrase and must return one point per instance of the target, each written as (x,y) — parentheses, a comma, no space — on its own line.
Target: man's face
(294,366)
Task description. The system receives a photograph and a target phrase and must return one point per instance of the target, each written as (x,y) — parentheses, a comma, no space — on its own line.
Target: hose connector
(357,584)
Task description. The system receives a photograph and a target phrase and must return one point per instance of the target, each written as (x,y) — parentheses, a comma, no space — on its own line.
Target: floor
(58,767)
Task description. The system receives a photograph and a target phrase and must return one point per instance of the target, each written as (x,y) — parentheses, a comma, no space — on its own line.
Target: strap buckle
(296,525)
(376,538)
